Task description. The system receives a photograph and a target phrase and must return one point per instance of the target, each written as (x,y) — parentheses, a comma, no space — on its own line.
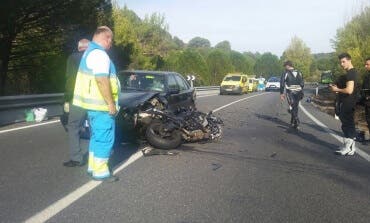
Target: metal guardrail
(207,88)
(13,108)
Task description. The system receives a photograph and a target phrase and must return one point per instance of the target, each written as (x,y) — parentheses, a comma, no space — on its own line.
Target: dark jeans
(78,147)
(293,100)
(346,116)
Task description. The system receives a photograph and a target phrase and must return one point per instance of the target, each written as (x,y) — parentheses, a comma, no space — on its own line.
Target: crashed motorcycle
(165,129)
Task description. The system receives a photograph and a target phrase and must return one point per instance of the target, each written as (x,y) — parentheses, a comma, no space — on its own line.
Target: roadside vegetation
(37,36)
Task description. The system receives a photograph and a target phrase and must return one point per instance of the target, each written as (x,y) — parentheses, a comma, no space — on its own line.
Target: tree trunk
(4,65)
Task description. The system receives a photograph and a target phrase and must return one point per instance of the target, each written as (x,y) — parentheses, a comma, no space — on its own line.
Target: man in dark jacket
(366,91)
(292,81)
(76,115)
(347,96)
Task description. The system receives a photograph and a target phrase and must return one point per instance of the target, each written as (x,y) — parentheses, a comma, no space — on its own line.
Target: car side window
(172,84)
(183,85)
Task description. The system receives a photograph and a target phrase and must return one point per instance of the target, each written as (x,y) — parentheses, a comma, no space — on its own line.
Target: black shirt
(350,98)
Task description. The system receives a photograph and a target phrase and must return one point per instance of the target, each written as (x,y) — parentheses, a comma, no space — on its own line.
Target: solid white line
(59,205)
(64,202)
(29,126)
(328,130)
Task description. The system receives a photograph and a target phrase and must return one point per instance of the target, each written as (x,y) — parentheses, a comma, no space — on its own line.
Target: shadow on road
(290,167)
(123,151)
(306,136)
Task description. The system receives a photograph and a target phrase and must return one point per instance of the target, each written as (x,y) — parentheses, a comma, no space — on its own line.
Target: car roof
(148,72)
(273,78)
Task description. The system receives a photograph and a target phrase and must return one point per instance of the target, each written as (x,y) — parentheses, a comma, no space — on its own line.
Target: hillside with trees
(37,36)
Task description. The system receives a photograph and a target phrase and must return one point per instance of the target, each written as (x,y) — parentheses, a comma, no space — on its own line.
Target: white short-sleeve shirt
(98,61)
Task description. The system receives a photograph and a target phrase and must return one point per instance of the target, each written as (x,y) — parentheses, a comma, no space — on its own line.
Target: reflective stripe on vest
(86,93)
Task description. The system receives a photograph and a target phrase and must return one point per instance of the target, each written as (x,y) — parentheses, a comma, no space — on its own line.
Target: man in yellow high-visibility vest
(96,90)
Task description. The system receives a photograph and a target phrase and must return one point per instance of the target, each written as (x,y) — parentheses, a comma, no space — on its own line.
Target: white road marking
(64,202)
(59,205)
(328,130)
(29,126)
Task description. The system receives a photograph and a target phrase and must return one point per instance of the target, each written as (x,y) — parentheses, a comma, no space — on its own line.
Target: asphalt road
(261,171)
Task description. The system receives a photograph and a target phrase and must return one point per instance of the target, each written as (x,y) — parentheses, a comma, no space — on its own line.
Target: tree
(33,33)
(224,45)
(179,44)
(240,63)
(191,62)
(198,42)
(219,65)
(354,38)
(300,55)
(267,65)
(126,43)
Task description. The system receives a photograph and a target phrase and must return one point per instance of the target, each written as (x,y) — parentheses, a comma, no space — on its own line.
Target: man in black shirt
(366,91)
(347,99)
(292,81)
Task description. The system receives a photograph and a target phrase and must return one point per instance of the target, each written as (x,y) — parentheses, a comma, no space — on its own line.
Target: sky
(254,25)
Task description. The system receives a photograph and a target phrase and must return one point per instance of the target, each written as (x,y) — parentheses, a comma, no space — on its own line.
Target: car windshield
(142,81)
(232,78)
(273,79)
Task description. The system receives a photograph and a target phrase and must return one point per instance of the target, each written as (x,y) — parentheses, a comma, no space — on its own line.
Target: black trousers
(346,116)
(293,100)
(367,115)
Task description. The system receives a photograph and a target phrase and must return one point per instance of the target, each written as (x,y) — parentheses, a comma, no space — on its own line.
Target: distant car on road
(273,84)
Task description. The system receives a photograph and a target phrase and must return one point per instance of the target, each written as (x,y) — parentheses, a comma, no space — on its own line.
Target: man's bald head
(83,44)
(103,36)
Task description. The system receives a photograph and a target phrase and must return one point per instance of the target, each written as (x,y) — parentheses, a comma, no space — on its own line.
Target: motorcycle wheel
(160,139)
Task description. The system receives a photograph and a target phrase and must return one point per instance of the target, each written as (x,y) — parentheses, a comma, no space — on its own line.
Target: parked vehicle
(234,84)
(252,84)
(273,84)
(137,87)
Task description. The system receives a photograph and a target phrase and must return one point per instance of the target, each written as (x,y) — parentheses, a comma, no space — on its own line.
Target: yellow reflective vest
(86,92)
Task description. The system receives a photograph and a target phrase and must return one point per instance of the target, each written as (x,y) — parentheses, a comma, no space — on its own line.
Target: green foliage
(191,62)
(267,65)
(219,64)
(354,38)
(224,45)
(241,63)
(36,37)
(199,42)
(300,55)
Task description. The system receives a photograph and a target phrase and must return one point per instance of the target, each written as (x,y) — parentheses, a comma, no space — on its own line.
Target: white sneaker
(347,148)
(353,150)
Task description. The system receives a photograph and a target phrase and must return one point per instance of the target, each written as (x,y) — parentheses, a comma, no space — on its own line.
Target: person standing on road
(76,115)
(366,91)
(347,102)
(96,90)
(292,81)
